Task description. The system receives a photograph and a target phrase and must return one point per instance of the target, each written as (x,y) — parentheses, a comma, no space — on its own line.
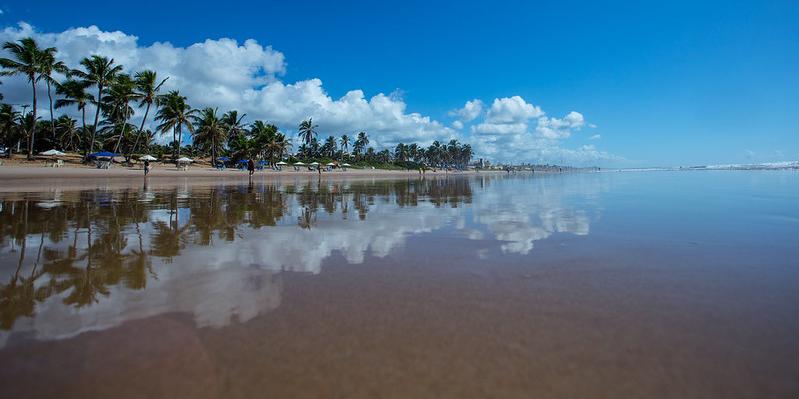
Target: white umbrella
(184,159)
(148,158)
(345,164)
(331,164)
(52,153)
(299,164)
(281,163)
(314,163)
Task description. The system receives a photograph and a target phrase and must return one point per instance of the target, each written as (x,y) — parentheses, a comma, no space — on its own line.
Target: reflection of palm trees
(97,239)
(307,218)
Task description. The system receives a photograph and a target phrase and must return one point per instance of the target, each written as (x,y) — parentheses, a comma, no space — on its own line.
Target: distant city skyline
(622,85)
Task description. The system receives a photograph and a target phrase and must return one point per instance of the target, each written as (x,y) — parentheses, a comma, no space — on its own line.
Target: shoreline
(38,178)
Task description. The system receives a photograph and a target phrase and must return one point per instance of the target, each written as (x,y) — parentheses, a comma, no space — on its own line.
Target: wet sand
(609,311)
(32,178)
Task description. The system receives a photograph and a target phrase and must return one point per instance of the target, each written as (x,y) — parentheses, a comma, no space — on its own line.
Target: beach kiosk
(183,163)
(103,159)
(56,163)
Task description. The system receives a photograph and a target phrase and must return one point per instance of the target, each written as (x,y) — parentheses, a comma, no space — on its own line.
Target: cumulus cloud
(514,129)
(248,77)
(244,76)
(595,137)
(470,111)
(555,128)
(512,110)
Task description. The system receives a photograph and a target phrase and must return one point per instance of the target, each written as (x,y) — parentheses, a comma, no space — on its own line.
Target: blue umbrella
(244,160)
(262,162)
(223,159)
(103,154)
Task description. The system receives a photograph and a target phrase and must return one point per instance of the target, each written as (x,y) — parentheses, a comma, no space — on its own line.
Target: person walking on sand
(251,167)
(146,168)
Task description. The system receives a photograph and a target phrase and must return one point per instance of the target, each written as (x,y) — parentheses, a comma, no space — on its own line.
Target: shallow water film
(659,284)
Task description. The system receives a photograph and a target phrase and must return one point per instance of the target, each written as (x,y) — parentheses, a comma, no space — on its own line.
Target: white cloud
(512,110)
(470,111)
(243,76)
(247,76)
(515,130)
(595,137)
(554,128)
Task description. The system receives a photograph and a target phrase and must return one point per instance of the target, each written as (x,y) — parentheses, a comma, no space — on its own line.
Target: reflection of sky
(518,213)
(240,279)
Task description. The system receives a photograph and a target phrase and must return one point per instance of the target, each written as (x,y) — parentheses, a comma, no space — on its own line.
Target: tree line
(116,96)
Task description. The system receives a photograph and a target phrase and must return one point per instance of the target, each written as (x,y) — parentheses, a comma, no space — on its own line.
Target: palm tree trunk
(83,112)
(138,135)
(32,136)
(96,117)
(121,134)
(213,151)
(52,119)
(176,150)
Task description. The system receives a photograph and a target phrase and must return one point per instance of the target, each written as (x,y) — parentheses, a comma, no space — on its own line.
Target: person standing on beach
(251,167)
(146,168)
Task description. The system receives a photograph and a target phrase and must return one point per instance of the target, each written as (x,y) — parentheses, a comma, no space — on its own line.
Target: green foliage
(119,96)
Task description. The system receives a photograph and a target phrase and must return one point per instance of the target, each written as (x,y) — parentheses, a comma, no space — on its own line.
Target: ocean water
(638,284)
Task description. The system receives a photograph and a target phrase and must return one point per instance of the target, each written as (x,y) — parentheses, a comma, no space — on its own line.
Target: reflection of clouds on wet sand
(522,212)
(215,297)
(230,280)
(289,248)
(211,262)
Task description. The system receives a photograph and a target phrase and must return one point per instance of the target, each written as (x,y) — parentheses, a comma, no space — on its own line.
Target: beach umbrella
(314,163)
(147,158)
(184,160)
(281,163)
(243,160)
(299,164)
(262,162)
(223,159)
(331,164)
(52,153)
(345,164)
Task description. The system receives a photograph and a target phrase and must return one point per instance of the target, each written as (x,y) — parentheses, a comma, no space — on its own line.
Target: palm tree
(174,114)
(434,153)
(210,132)
(73,92)
(451,151)
(307,132)
(99,72)
(345,143)
(119,95)
(329,148)
(413,152)
(279,147)
(68,133)
(47,66)
(147,92)
(401,152)
(360,143)
(234,125)
(8,125)
(26,62)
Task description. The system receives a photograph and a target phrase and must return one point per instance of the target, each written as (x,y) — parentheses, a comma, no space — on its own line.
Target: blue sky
(664,83)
